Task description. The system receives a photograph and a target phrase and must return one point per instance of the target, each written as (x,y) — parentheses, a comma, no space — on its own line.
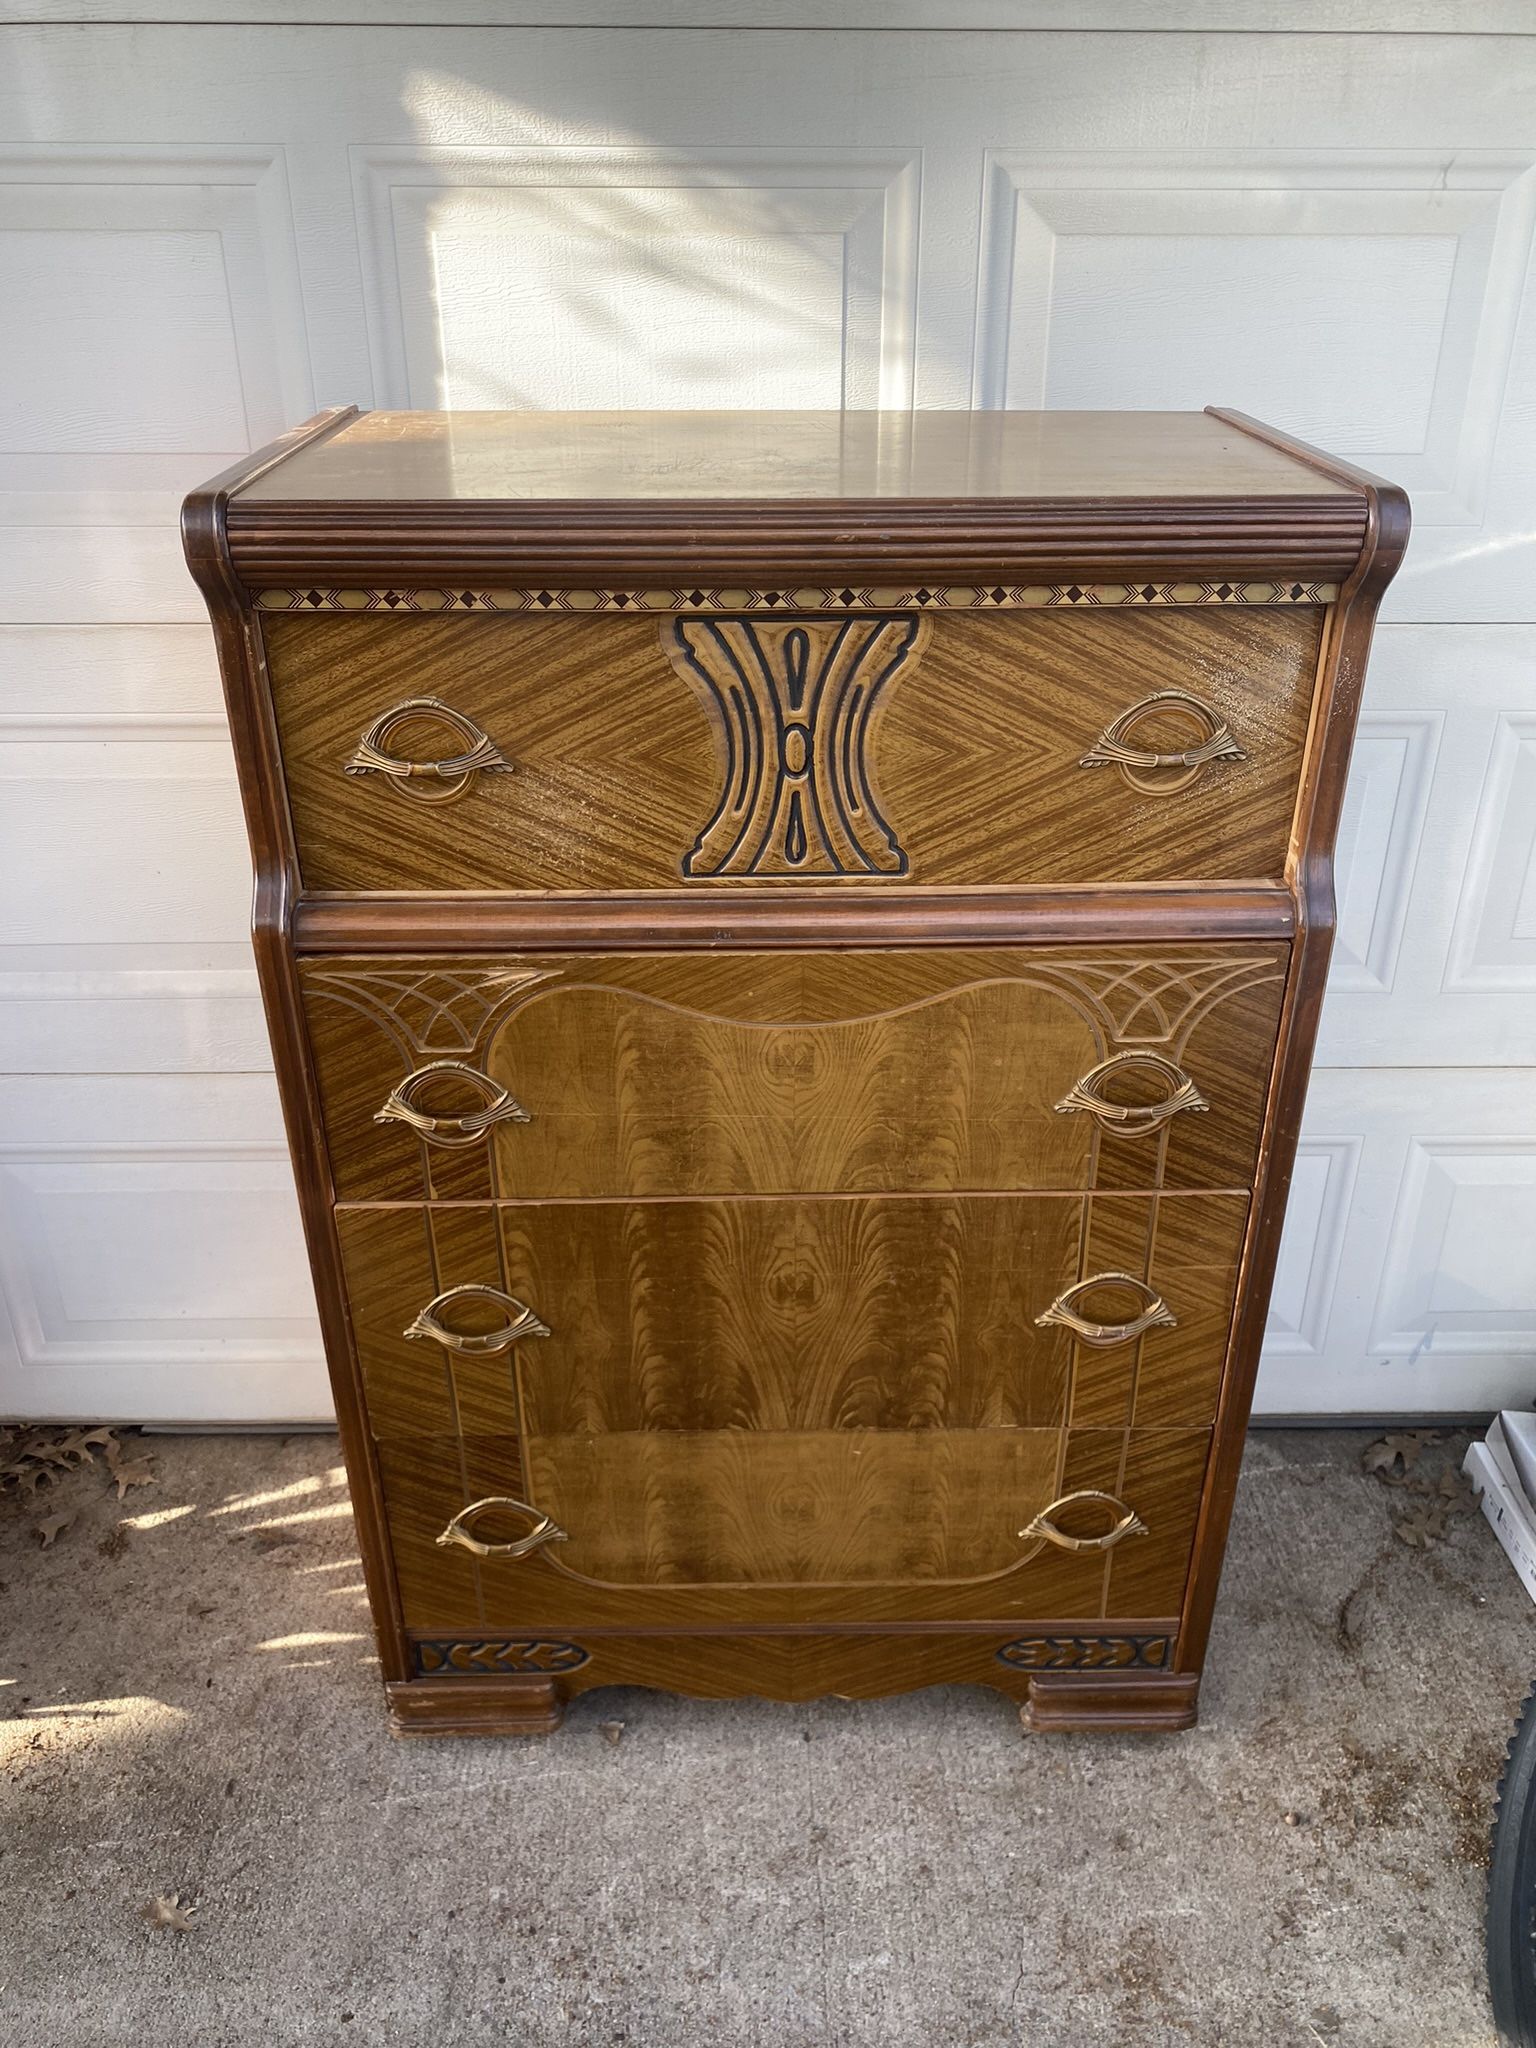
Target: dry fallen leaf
(1393,1458)
(1456,1490)
(52,1526)
(32,1458)
(611,1731)
(132,1472)
(1423,1524)
(81,1445)
(168,1911)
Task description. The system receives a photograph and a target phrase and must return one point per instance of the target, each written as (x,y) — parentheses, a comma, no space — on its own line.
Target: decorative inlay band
(846,598)
(1086,1653)
(496,1659)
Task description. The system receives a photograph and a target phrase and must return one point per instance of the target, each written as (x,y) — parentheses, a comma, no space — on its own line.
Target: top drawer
(1068,743)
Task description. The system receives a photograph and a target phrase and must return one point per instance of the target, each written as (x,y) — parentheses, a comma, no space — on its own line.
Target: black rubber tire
(1512,1887)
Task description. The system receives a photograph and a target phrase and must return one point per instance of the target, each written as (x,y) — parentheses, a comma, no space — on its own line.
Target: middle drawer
(560,1322)
(664,1075)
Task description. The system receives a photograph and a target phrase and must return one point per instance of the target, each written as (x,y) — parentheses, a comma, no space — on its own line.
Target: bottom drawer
(658,1529)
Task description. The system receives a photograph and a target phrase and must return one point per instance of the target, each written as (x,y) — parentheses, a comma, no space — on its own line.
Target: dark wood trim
(258,763)
(768,918)
(1141,1702)
(1163,1625)
(275,542)
(475,1706)
(1324,773)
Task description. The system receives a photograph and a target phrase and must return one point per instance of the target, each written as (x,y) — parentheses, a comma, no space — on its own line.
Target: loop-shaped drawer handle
(1129,1523)
(1115,746)
(543,1530)
(1087,1094)
(521,1322)
(435,781)
(498,1106)
(1155,1313)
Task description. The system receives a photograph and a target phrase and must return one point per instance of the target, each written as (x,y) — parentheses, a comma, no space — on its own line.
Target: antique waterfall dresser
(792,945)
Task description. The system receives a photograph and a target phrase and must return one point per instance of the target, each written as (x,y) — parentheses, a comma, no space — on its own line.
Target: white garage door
(208,230)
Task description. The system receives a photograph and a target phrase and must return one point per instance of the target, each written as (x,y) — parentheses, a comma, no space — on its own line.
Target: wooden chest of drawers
(792,946)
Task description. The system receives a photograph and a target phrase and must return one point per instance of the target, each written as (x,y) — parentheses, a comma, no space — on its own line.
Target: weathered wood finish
(961,736)
(773,1065)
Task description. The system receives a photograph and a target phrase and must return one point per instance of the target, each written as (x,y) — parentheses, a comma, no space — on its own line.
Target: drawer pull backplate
(1150,771)
(436,781)
(543,1530)
(520,1322)
(1155,1313)
(1128,1524)
(497,1106)
(1086,1094)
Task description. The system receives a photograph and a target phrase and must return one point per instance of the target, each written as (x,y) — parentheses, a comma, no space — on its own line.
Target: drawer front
(836,1526)
(790,1073)
(565,1322)
(1146,743)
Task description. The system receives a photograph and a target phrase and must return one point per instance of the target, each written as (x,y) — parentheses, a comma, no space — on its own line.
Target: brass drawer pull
(543,1530)
(1129,1523)
(1132,1118)
(1155,1315)
(436,781)
(498,1106)
(521,1322)
(1115,746)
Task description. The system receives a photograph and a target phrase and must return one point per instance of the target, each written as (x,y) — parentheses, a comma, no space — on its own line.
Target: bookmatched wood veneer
(792,949)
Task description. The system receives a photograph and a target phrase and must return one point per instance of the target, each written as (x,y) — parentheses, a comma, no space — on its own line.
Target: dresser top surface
(814,457)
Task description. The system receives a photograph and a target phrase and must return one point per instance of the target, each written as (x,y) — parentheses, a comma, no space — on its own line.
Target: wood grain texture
(804,1666)
(964,740)
(742,1073)
(976,1489)
(561,458)
(786,497)
(794,1084)
(866,1314)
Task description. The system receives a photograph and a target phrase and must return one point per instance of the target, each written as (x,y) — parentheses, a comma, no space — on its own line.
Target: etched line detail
(791,703)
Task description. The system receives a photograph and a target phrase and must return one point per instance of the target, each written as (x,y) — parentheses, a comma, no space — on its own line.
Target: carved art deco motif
(791,704)
(1086,1653)
(500,1658)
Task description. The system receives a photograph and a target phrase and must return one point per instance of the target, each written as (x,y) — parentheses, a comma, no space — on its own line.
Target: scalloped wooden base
(1112,1687)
